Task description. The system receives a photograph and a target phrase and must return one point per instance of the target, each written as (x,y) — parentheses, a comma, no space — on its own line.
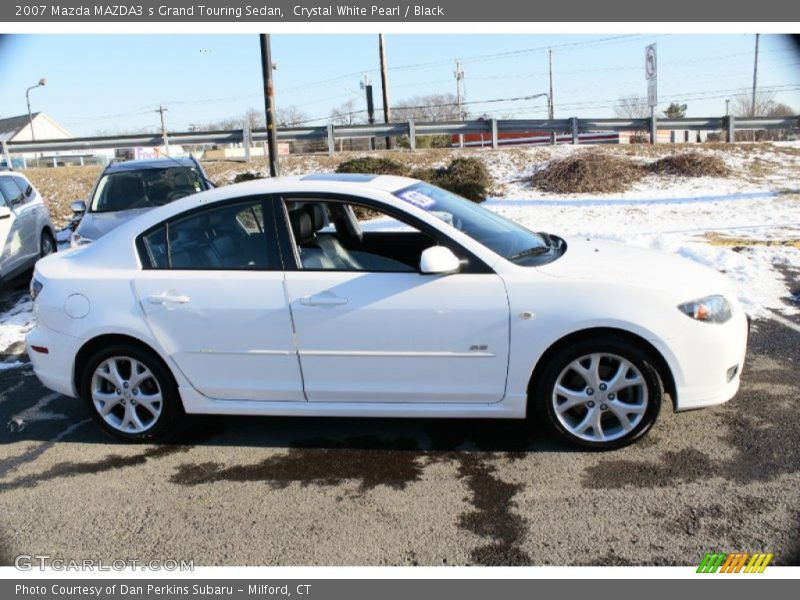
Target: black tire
(171,412)
(47,244)
(545,389)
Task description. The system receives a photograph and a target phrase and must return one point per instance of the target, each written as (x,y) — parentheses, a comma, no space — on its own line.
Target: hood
(613,262)
(95,225)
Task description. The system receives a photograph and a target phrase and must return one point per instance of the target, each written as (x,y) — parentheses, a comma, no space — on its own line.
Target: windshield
(145,188)
(506,238)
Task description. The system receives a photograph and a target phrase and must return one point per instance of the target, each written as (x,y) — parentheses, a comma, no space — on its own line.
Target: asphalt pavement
(290,491)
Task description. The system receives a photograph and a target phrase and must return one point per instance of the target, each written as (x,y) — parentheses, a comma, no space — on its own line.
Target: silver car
(26,231)
(127,189)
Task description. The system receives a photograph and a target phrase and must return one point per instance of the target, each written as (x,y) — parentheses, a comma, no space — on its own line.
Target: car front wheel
(600,394)
(130,393)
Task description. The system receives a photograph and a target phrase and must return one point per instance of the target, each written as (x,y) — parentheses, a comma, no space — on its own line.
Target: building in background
(18,129)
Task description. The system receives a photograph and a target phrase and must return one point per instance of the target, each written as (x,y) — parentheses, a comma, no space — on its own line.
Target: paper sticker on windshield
(417,199)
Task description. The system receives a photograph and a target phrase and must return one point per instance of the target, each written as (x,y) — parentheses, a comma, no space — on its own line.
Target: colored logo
(741,562)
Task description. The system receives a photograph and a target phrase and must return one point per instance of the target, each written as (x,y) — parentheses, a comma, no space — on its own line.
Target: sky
(105,84)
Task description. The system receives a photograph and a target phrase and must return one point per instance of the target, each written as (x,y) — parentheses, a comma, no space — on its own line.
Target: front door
(371,328)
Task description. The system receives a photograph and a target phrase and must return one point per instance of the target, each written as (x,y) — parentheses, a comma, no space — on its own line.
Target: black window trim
(470,263)
(267,210)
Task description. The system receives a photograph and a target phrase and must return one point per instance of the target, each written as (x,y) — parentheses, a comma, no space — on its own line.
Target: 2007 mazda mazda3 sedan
(377,296)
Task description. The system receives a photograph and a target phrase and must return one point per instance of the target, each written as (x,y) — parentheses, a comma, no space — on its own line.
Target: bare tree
(290,116)
(432,107)
(743,104)
(765,106)
(345,114)
(632,107)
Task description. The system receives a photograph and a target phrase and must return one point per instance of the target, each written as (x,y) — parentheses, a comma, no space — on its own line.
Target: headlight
(36,287)
(78,240)
(711,309)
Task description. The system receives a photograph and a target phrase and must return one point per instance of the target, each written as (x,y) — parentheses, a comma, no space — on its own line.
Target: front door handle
(168,298)
(323,300)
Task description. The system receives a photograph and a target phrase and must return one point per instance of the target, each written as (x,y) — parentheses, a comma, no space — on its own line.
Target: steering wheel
(176,195)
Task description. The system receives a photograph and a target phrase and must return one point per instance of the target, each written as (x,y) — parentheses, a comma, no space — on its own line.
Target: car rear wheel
(600,394)
(131,394)
(47,245)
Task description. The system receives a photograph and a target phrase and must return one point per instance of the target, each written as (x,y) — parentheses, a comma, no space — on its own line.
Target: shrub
(690,164)
(247,176)
(373,164)
(588,172)
(467,177)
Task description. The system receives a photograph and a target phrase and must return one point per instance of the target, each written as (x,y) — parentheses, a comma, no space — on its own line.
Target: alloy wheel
(600,397)
(126,394)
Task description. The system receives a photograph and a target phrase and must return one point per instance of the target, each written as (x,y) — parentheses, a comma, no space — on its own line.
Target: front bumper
(54,368)
(707,361)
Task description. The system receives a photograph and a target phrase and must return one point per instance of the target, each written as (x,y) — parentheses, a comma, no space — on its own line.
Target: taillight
(36,288)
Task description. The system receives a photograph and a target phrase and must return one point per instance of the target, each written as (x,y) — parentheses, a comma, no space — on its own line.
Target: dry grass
(690,164)
(61,186)
(589,172)
(742,242)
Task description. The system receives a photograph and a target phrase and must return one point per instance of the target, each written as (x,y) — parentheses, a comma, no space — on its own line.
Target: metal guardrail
(410,129)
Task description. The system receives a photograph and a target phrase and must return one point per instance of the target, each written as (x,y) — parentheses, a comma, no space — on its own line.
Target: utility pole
(755,80)
(459,75)
(384,87)
(550,107)
(727,108)
(161,110)
(269,104)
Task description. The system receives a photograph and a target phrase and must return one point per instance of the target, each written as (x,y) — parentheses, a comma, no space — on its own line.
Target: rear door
(213,295)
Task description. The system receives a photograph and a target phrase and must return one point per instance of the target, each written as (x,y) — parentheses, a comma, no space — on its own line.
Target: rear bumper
(54,368)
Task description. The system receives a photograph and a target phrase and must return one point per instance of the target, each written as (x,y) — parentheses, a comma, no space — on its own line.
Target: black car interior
(328,236)
(228,238)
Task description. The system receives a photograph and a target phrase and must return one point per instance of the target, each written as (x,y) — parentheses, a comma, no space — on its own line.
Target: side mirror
(79,206)
(438,260)
(5,212)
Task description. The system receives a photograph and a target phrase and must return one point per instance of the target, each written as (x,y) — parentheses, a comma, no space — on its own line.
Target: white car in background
(26,231)
(377,296)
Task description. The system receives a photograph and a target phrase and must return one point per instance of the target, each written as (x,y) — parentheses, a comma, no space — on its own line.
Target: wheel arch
(49,231)
(659,362)
(98,342)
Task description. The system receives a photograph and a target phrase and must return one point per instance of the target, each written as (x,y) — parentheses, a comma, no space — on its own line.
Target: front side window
(506,238)
(147,188)
(230,237)
(341,236)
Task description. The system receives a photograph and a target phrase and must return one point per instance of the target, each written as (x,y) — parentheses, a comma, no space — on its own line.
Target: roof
(150,163)
(11,126)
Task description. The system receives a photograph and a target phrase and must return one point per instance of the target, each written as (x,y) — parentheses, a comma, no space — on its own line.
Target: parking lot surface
(283,491)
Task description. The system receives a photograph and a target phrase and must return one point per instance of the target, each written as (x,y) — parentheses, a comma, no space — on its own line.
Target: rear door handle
(168,298)
(323,300)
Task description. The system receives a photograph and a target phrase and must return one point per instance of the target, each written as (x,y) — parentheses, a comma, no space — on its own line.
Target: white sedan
(377,296)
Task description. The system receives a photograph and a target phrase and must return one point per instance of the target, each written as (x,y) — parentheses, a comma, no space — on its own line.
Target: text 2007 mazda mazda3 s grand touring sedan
(377,296)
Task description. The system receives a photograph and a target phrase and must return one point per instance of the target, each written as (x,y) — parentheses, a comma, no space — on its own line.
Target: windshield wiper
(535,251)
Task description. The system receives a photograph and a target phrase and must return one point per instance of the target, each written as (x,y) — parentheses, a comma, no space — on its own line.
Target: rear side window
(25,187)
(229,237)
(11,192)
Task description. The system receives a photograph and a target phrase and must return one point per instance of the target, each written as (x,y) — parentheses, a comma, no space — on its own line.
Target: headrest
(302,226)
(317,214)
